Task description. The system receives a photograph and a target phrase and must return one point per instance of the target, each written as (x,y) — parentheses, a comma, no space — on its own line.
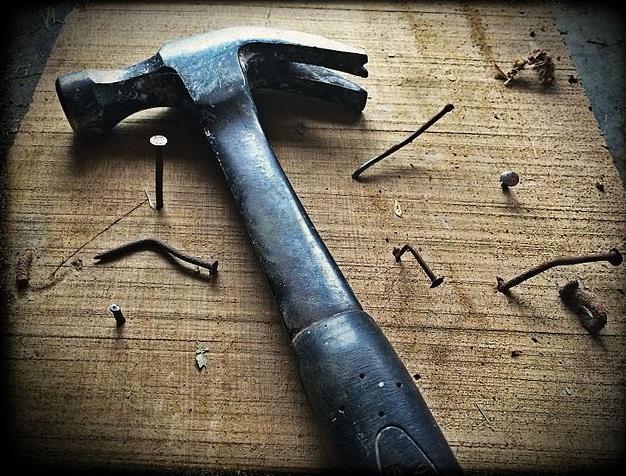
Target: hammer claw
(307,80)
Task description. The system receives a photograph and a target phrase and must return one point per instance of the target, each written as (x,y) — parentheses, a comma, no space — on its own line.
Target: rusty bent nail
(590,311)
(371,420)
(613,256)
(434,279)
(158,246)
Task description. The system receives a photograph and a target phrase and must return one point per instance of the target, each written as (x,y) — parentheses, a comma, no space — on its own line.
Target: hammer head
(211,69)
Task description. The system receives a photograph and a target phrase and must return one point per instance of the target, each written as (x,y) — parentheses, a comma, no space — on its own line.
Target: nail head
(437,282)
(158,140)
(509,178)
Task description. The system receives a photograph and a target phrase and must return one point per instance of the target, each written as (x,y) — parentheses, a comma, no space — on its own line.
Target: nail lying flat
(613,256)
(366,165)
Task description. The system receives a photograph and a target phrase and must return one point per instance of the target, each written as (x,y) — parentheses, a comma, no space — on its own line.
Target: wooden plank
(84,393)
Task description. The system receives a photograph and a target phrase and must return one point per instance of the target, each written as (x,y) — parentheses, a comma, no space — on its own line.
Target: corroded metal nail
(158,246)
(509,179)
(366,165)
(434,279)
(590,311)
(158,142)
(22,269)
(117,314)
(613,256)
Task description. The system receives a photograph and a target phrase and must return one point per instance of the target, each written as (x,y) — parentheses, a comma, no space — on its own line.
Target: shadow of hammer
(358,387)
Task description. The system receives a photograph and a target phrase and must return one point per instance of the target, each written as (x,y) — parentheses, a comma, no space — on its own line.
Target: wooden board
(86,394)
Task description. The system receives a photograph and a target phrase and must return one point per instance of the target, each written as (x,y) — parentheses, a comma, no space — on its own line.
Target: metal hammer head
(211,69)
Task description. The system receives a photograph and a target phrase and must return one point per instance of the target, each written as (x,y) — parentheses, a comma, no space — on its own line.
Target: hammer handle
(306,281)
(357,385)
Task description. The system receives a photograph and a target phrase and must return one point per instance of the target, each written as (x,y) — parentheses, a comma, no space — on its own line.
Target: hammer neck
(306,281)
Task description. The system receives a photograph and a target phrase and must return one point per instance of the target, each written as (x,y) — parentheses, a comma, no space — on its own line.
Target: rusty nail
(159,246)
(434,279)
(366,165)
(613,256)
(590,311)
(22,271)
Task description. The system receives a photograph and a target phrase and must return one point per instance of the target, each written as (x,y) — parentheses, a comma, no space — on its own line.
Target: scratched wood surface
(85,394)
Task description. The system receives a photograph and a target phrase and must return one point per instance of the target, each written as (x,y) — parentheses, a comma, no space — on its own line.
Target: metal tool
(354,380)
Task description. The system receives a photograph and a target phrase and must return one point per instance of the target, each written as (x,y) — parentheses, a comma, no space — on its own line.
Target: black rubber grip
(364,396)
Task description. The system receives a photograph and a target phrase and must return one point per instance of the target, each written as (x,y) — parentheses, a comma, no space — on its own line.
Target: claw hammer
(358,388)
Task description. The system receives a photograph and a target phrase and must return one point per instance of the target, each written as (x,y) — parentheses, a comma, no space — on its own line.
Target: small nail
(117,314)
(434,279)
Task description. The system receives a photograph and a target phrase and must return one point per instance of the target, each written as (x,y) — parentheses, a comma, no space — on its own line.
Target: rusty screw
(613,256)
(117,314)
(590,311)
(159,143)
(434,279)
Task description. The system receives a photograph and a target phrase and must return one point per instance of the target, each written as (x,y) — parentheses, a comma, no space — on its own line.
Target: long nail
(363,167)
(159,143)
(613,256)
(434,279)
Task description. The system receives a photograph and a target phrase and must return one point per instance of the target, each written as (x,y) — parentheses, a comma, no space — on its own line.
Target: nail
(22,270)
(366,165)
(613,256)
(434,279)
(159,246)
(590,311)
(509,179)
(158,142)
(117,314)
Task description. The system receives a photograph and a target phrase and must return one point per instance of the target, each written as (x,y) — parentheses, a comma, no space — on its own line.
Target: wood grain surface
(515,383)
